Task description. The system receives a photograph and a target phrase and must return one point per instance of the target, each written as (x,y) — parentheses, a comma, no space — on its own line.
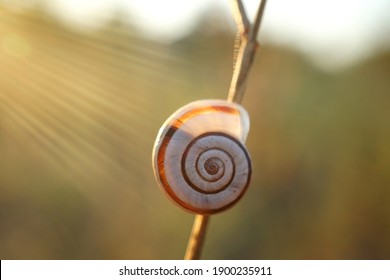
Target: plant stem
(198,233)
(246,54)
(247,50)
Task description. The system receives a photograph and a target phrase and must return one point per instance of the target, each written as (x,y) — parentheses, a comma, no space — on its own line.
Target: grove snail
(199,157)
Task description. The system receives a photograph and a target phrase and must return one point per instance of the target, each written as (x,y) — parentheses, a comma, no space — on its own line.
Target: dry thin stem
(258,18)
(197,237)
(240,17)
(243,64)
(245,55)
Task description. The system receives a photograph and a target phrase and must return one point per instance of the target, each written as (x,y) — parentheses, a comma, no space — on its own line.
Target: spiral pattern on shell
(200,160)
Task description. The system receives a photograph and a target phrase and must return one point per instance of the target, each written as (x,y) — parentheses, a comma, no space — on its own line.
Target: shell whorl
(199,157)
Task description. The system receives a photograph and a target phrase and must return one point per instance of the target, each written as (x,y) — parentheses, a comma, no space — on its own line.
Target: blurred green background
(79,112)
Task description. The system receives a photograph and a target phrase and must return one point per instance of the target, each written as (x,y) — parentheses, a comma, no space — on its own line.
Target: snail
(199,157)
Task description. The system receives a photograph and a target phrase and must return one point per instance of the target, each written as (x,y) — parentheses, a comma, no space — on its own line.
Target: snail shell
(199,157)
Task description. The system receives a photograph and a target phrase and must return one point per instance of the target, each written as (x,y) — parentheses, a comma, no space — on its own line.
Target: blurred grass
(79,113)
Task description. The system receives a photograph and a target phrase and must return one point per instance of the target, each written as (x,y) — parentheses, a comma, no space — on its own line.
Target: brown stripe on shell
(206,109)
(161,170)
(189,182)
